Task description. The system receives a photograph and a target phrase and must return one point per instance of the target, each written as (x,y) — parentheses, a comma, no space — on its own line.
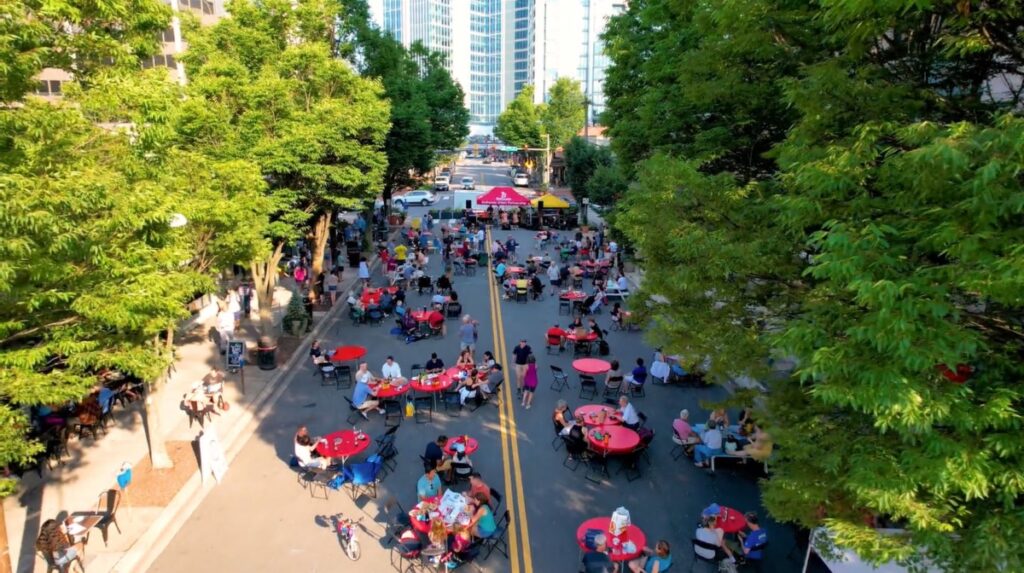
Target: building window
(204,6)
(167,35)
(48,88)
(159,60)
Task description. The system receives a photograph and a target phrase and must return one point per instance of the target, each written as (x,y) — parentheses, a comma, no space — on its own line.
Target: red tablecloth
(589,415)
(590,365)
(620,440)
(346,353)
(573,295)
(615,551)
(392,390)
(342,444)
(515,270)
(731,520)
(420,316)
(602,263)
(471,445)
(440,383)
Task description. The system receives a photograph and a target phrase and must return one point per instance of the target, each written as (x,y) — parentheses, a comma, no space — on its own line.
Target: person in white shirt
(391,370)
(630,418)
(710,445)
(622,284)
(304,446)
(225,327)
(712,534)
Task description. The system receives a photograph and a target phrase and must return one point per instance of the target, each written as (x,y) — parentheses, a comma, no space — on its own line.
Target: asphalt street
(260,519)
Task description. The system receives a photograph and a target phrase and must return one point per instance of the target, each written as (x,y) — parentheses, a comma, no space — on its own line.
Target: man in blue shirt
(363,396)
(639,374)
(429,485)
(755,539)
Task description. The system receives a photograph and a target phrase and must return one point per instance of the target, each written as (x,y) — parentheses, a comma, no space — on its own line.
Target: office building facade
(593,61)
(491,46)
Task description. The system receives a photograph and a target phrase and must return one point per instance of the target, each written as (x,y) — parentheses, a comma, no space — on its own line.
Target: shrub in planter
(295,316)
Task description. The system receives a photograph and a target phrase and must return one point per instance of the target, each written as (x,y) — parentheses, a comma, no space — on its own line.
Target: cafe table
(343,444)
(632,538)
(590,412)
(348,353)
(436,383)
(592,366)
(616,440)
(420,315)
(79,525)
(573,295)
(390,390)
(731,520)
(515,270)
(472,445)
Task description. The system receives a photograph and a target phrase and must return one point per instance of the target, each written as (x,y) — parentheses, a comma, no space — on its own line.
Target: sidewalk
(93,464)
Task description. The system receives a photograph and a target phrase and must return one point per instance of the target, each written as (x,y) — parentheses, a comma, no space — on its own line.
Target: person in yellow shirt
(400,252)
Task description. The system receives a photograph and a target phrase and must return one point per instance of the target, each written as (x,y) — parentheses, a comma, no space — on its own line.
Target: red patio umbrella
(503,197)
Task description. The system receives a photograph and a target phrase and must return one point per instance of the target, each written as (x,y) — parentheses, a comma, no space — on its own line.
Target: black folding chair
(588,384)
(498,541)
(559,379)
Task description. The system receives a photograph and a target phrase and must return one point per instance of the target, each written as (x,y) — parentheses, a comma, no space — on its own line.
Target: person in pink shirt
(682,429)
(529,381)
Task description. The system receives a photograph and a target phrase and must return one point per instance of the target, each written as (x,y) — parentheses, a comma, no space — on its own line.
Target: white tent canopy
(842,560)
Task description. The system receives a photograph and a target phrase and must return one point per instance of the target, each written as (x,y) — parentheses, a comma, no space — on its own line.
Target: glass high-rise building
(491,46)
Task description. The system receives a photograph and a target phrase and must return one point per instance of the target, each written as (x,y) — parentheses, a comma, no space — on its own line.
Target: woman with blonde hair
(55,544)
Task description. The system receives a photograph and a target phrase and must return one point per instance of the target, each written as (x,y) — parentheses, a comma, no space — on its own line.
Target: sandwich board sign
(211,455)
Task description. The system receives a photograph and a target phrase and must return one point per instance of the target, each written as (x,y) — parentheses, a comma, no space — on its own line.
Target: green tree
(519,125)
(34,35)
(266,86)
(427,109)
(607,185)
(854,213)
(565,112)
(582,159)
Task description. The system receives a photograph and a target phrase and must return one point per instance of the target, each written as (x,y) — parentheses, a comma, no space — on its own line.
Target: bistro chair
(106,507)
(556,442)
(353,413)
(559,379)
(498,541)
(452,403)
(485,397)
(51,563)
(393,413)
(588,384)
(343,375)
(597,466)
(697,557)
(423,406)
(387,454)
(631,464)
(496,498)
(363,478)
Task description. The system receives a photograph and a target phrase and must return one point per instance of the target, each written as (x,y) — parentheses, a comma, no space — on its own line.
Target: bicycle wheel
(352,550)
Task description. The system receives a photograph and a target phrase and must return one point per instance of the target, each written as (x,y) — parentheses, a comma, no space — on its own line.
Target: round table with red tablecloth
(589,413)
(592,366)
(343,444)
(472,445)
(387,390)
(620,440)
(731,520)
(573,295)
(633,534)
(347,353)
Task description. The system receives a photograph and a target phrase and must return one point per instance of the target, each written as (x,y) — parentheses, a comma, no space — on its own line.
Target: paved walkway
(93,464)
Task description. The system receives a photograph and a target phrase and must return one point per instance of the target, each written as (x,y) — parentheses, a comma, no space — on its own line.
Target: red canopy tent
(503,197)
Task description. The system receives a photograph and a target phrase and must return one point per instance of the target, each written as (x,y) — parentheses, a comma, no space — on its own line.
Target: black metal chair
(485,397)
(353,413)
(559,379)
(613,387)
(343,375)
(496,499)
(423,405)
(452,403)
(393,413)
(498,541)
(698,558)
(387,453)
(597,466)
(631,464)
(107,506)
(588,384)
(556,442)
(637,390)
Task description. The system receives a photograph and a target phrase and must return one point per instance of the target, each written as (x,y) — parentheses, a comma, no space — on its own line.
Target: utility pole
(545,178)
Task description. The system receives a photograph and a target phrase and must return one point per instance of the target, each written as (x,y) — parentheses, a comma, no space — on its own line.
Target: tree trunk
(5,550)
(151,413)
(264,278)
(321,232)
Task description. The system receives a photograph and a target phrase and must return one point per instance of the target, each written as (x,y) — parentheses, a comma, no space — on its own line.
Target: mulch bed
(157,487)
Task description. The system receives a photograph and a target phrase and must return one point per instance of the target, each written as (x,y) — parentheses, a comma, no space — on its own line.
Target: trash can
(354,254)
(266,354)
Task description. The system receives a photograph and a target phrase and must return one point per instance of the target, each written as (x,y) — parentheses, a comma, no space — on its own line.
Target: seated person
(400,310)
(639,374)
(622,284)
(630,418)
(317,353)
(364,397)
(597,301)
(595,329)
(465,359)
(437,323)
(478,485)
(509,287)
(434,365)
(434,454)
(482,523)
(387,302)
(598,561)
(710,533)
(536,287)
(710,445)
(429,486)
(473,386)
(423,283)
(408,324)
(657,560)
(454,296)
(562,417)
(617,314)
(462,466)
(682,430)
(487,362)
(391,370)
(760,446)
(499,270)
(305,451)
(613,378)
(522,285)
(556,336)
(753,542)
(400,295)
(444,283)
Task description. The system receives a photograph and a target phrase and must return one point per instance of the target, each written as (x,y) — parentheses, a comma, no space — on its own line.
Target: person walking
(225,327)
(521,353)
(468,334)
(529,381)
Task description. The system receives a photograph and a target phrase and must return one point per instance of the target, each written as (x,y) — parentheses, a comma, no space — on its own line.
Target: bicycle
(346,531)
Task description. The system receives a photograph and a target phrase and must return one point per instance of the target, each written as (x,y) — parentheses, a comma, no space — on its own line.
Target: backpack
(602,348)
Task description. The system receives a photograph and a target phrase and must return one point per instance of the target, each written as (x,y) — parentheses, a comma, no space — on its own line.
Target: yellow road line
(513,433)
(513,546)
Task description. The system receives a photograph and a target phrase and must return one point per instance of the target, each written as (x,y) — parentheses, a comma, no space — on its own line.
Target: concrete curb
(141,555)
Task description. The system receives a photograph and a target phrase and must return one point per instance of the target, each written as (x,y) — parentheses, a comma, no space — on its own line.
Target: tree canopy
(845,196)
(563,114)
(582,160)
(519,124)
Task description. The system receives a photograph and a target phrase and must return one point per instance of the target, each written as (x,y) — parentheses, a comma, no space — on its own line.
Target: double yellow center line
(514,498)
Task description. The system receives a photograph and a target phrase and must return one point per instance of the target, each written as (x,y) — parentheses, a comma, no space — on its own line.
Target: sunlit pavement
(261,519)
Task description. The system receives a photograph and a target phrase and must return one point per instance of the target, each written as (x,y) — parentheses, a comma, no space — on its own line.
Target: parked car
(467,183)
(441,183)
(521,180)
(418,197)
